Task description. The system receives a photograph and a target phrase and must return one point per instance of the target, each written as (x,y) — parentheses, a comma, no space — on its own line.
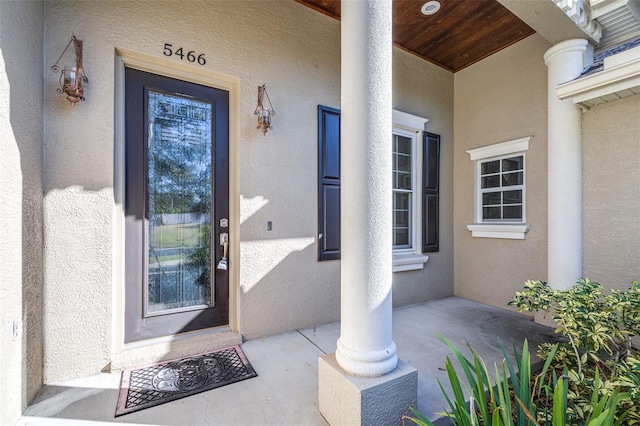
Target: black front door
(176,206)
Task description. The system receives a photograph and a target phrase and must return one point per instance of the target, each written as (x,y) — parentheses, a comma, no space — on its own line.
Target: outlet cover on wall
(17,328)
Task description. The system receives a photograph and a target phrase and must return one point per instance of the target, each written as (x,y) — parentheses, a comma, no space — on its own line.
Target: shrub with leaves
(515,396)
(598,352)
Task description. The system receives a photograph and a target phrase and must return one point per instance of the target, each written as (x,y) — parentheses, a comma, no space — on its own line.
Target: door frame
(199,75)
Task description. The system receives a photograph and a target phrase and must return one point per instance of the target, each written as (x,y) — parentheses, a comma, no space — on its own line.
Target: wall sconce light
(264,114)
(72,78)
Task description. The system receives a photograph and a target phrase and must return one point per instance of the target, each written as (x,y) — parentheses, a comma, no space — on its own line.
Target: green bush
(514,396)
(597,352)
(591,378)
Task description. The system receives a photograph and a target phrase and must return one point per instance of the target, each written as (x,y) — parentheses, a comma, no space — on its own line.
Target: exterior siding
(498,99)
(611,191)
(422,89)
(282,286)
(21,97)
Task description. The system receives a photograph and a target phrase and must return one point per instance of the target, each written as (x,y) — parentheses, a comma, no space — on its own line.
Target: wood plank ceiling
(461,33)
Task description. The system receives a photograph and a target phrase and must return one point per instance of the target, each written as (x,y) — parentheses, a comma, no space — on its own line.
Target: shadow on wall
(24,75)
(286,290)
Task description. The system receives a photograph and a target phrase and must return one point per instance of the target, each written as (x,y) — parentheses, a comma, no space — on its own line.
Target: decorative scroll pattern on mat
(166,381)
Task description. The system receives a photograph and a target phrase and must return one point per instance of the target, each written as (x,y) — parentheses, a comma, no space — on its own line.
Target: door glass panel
(179,212)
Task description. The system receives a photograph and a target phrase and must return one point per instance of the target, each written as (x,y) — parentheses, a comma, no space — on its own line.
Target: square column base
(350,400)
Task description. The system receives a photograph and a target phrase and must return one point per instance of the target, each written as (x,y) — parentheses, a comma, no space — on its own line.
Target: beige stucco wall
(21,97)
(426,90)
(498,99)
(611,192)
(282,286)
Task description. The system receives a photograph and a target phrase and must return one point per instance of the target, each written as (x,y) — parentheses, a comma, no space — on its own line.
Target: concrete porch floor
(285,391)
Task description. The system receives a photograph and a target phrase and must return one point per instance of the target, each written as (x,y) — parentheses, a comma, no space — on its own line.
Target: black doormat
(155,384)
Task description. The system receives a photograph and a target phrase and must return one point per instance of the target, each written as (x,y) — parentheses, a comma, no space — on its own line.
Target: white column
(565,62)
(365,346)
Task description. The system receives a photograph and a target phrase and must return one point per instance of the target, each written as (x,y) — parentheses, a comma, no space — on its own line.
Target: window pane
(403,145)
(403,180)
(510,179)
(401,201)
(401,237)
(491,213)
(403,163)
(513,197)
(489,167)
(401,218)
(512,164)
(513,212)
(491,198)
(490,181)
(179,202)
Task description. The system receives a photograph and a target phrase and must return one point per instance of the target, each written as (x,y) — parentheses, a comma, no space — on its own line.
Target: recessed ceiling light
(430,7)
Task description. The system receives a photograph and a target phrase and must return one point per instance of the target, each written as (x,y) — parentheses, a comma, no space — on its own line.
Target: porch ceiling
(461,33)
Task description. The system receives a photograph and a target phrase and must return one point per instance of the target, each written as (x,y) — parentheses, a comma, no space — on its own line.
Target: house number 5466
(191,55)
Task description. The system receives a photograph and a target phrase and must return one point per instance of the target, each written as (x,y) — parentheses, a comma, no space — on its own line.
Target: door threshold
(169,347)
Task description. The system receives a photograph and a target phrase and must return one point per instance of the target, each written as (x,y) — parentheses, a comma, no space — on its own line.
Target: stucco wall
(611,192)
(21,200)
(426,90)
(295,51)
(498,99)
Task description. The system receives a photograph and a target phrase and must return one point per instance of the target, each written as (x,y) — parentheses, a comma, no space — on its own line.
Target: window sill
(408,261)
(510,232)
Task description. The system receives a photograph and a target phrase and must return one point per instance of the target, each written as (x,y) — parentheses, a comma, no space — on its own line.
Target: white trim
(416,179)
(204,76)
(409,261)
(412,126)
(499,149)
(511,232)
(409,121)
(621,58)
(614,78)
(480,191)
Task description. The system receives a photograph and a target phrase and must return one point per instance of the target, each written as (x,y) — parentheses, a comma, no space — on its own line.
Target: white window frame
(509,229)
(412,126)
(413,191)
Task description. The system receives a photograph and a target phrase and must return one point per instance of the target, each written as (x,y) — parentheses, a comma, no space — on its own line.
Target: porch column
(565,62)
(364,383)
(365,347)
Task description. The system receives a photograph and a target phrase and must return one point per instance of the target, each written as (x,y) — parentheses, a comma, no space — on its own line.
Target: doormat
(166,381)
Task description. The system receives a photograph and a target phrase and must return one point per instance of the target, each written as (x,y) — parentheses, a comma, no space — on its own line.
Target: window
(408,217)
(415,171)
(500,190)
(404,194)
(501,186)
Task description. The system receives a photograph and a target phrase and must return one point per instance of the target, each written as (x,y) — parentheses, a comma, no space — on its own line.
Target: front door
(176,206)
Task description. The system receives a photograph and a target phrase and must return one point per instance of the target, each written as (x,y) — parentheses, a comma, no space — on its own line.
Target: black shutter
(328,183)
(430,197)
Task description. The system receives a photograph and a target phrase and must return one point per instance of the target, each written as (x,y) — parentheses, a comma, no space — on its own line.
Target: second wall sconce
(264,114)
(72,78)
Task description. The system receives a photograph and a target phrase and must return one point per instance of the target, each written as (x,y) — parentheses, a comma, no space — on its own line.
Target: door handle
(224,242)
